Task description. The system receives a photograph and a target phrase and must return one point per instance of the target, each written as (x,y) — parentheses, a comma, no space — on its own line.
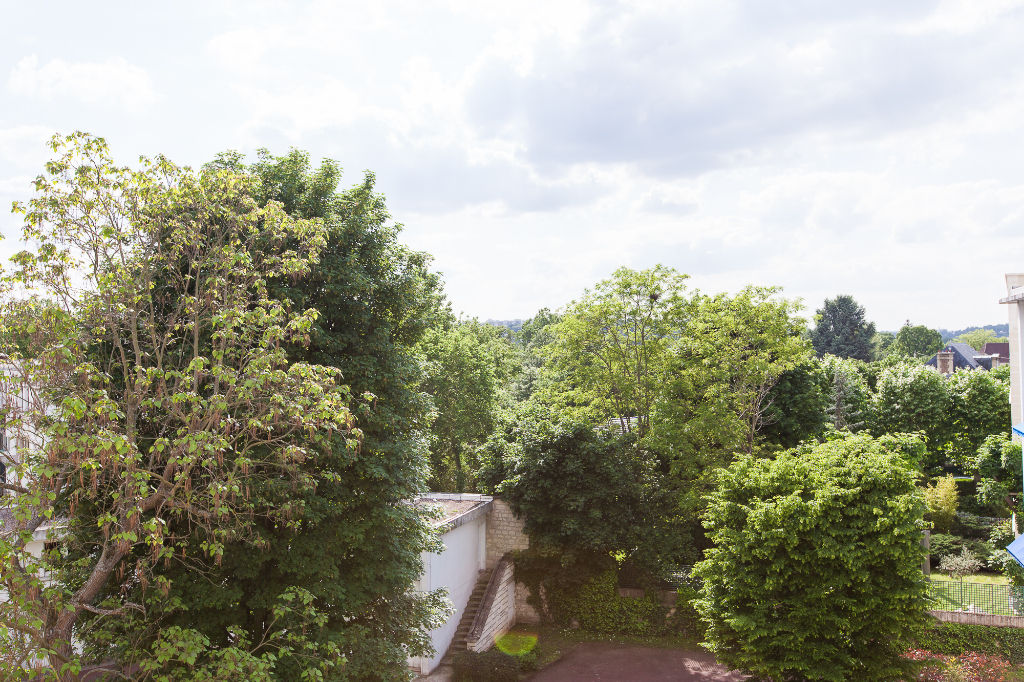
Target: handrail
(480,619)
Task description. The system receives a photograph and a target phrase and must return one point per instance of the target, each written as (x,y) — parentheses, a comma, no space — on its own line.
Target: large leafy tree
(815,573)
(977,338)
(151,428)
(611,347)
(722,372)
(468,369)
(842,330)
(913,398)
(979,408)
(717,396)
(356,546)
(916,341)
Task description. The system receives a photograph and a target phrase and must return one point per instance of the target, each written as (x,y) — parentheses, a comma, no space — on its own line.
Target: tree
(977,338)
(916,341)
(611,346)
(815,573)
(849,399)
(979,408)
(723,369)
(798,403)
(913,398)
(584,492)
(469,367)
(356,546)
(997,470)
(943,500)
(841,330)
(158,424)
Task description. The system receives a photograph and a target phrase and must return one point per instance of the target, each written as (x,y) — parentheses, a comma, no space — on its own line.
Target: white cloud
(114,82)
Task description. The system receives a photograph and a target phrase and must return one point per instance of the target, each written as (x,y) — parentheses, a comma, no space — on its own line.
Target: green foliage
(353,543)
(916,341)
(942,500)
(723,369)
(998,468)
(912,398)
(586,493)
(610,347)
(957,639)
(165,410)
(977,338)
(841,330)
(959,565)
(798,404)
(942,545)
(815,572)
(849,398)
(598,607)
(468,367)
(979,408)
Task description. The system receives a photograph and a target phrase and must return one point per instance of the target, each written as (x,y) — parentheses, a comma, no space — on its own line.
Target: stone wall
(497,609)
(504,532)
(525,613)
(966,618)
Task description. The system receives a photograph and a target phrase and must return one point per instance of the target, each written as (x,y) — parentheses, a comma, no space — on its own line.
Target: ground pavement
(614,662)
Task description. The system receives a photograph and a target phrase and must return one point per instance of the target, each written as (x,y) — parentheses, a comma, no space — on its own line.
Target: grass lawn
(981,593)
(987,578)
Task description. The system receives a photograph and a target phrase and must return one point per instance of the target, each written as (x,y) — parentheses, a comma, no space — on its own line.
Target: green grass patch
(516,642)
(986,578)
(981,597)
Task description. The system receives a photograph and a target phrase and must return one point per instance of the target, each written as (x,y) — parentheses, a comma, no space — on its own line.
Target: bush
(941,545)
(957,639)
(599,608)
(590,600)
(942,499)
(816,569)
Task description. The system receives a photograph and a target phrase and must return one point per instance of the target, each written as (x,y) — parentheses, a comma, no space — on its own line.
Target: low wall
(968,618)
(497,608)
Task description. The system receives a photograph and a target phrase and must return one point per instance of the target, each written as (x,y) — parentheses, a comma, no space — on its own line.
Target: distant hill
(1001,330)
(514,325)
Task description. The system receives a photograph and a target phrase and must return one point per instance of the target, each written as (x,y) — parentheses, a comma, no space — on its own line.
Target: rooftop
(454,509)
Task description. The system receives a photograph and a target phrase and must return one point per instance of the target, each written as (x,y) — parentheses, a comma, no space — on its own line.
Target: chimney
(944,361)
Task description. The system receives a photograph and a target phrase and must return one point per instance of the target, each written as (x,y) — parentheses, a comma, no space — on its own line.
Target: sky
(869,148)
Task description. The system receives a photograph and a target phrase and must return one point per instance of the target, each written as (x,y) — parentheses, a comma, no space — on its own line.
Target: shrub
(816,568)
(941,545)
(957,639)
(959,565)
(942,499)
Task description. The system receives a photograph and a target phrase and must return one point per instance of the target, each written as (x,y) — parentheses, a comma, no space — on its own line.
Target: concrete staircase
(472,607)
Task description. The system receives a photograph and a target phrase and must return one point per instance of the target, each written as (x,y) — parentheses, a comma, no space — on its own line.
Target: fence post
(926,542)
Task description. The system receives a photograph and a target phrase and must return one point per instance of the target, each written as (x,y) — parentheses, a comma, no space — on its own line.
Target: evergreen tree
(841,330)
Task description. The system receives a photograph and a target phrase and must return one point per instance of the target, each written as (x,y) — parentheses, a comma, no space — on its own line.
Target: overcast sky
(871,148)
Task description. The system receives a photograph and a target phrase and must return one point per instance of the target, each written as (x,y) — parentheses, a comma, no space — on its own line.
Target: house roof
(1000,348)
(454,509)
(964,357)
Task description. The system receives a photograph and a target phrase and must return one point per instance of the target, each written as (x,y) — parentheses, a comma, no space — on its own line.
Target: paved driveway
(612,662)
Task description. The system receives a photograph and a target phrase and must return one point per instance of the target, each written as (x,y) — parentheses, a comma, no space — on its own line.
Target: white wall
(456,569)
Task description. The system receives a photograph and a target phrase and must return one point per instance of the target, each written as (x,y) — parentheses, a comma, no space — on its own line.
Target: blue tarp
(1016,549)
(1019,429)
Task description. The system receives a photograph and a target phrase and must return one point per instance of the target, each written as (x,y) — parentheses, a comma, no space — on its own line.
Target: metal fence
(953,595)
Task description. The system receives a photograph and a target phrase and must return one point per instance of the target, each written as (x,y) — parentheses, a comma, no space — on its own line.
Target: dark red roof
(1000,348)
